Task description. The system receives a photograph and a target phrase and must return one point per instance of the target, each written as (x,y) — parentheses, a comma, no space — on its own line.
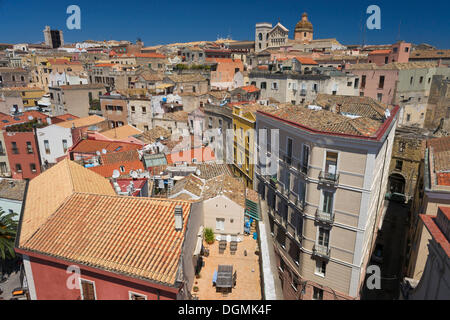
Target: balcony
(328,178)
(324,217)
(273,182)
(321,251)
(302,168)
(303,92)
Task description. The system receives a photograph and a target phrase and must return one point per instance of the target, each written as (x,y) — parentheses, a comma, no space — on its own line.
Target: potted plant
(195,289)
(198,276)
(209,235)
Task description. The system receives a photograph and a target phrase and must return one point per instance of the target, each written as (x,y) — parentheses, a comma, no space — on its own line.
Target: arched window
(260,37)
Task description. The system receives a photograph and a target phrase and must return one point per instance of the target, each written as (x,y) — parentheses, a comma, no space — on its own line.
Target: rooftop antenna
(104,151)
(97,152)
(133,174)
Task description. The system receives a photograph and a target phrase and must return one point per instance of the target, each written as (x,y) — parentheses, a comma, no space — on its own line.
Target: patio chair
(233,247)
(222,246)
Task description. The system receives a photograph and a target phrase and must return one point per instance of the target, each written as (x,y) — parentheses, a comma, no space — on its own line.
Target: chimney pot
(178,218)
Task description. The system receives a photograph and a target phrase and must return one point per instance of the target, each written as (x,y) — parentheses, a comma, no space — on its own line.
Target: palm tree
(8,228)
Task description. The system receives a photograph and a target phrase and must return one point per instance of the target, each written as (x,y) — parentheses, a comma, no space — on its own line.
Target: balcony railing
(321,251)
(324,217)
(15,150)
(303,168)
(303,92)
(328,177)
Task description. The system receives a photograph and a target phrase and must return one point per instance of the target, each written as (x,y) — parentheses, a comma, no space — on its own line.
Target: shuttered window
(88,290)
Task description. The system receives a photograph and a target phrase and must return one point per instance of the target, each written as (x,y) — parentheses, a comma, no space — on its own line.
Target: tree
(209,235)
(8,228)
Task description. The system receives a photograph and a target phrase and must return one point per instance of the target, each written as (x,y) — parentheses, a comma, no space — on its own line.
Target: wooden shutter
(88,290)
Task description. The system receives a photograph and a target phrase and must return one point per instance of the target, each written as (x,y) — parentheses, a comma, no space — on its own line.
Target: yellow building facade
(244,124)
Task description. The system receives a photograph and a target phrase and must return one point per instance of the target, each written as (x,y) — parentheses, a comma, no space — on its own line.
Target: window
(122,169)
(386,60)
(133,109)
(327,206)
(317,294)
(137,296)
(381,83)
(331,163)
(379,96)
(349,84)
(408,117)
(401,146)
(289,151)
(220,224)
(321,267)
(144,110)
(3,167)
(361,94)
(47,147)
(324,237)
(363,82)
(420,79)
(274,85)
(14,148)
(29,147)
(2,151)
(18,167)
(145,128)
(406,49)
(33,167)
(263,85)
(64,143)
(411,80)
(87,290)
(210,120)
(399,165)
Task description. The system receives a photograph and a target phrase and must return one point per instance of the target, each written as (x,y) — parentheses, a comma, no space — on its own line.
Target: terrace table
(224,280)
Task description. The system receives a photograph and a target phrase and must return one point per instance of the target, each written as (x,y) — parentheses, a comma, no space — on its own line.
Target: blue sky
(158,22)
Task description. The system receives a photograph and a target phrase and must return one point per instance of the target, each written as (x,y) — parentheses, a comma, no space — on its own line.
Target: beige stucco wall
(223,208)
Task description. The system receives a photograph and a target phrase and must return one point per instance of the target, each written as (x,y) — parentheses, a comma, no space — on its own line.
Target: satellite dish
(97,153)
(30,118)
(116,174)
(198,172)
(133,174)
(104,151)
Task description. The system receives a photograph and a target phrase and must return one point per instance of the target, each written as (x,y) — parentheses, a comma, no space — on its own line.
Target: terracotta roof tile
(106,170)
(128,235)
(81,122)
(48,191)
(121,132)
(91,146)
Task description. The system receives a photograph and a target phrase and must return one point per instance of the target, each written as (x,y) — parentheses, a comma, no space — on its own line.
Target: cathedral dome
(304,25)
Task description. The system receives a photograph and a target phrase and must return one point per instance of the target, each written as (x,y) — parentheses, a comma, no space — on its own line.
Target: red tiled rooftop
(202,154)
(250,88)
(380,52)
(306,60)
(91,146)
(107,170)
(7,120)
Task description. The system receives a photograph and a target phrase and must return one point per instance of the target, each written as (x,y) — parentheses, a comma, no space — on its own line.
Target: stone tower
(262,36)
(304,30)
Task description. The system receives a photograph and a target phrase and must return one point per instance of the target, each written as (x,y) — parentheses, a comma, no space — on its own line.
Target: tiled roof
(81,122)
(430,54)
(12,189)
(355,105)
(7,120)
(212,170)
(49,190)
(151,135)
(232,188)
(250,88)
(126,235)
(82,86)
(106,170)
(177,115)
(92,146)
(306,60)
(393,66)
(63,117)
(118,157)
(440,157)
(121,132)
(191,184)
(327,121)
(203,154)
(374,52)
(194,77)
(63,61)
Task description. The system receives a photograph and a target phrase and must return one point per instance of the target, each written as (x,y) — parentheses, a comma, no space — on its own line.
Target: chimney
(178,218)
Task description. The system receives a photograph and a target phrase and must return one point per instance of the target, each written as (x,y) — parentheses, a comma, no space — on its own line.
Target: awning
(164,86)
